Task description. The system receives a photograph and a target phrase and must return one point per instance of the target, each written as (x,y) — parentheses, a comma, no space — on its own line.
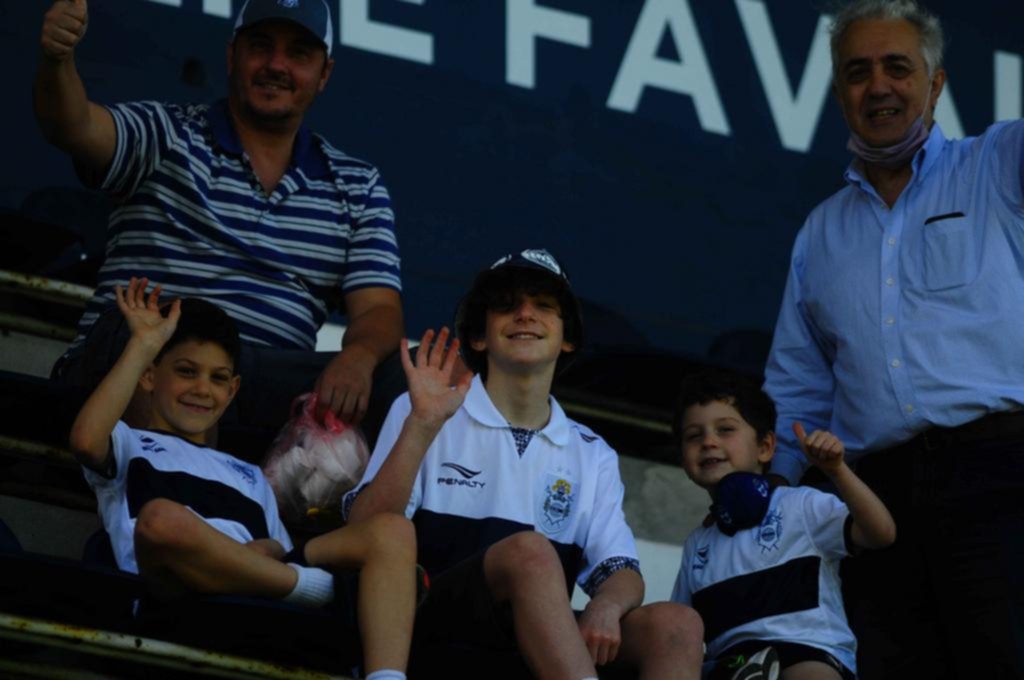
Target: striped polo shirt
(193,217)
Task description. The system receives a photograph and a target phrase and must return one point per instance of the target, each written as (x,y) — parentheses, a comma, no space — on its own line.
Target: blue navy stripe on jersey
(208,498)
(446,540)
(789,587)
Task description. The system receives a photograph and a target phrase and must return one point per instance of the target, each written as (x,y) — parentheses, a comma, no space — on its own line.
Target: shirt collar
(307,154)
(922,162)
(480,408)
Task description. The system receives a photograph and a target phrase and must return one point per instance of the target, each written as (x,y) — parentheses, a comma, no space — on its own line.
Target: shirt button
(895,363)
(890,281)
(892,241)
(890,321)
(909,408)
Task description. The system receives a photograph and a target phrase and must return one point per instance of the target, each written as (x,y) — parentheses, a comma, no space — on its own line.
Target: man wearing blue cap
(512,501)
(239,203)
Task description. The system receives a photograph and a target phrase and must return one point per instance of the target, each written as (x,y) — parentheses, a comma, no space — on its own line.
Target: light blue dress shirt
(897,319)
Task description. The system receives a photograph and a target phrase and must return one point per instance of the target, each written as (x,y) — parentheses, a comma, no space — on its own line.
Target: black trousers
(947,599)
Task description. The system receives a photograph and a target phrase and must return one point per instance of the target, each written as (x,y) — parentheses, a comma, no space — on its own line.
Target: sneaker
(762,666)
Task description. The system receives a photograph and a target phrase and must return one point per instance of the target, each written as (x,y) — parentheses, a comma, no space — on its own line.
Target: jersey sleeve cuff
(602,571)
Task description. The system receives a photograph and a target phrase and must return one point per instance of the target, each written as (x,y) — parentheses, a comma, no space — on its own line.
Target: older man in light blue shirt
(902,331)
(899,319)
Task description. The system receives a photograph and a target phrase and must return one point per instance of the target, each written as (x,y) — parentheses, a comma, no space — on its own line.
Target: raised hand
(142,313)
(64,25)
(822,448)
(434,399)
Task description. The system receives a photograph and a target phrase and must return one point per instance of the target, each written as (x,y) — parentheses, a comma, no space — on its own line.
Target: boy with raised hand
(765,576)
(189,518)
(512,500)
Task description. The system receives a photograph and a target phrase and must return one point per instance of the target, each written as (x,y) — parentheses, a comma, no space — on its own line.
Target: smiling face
(190,387)
(275,70)
(524,337)
(882,80)
(716,440)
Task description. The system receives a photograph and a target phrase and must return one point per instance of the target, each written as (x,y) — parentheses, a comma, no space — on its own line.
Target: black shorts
(790,654)
(460,610)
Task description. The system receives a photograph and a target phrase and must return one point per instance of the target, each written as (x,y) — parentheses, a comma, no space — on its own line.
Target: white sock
(313,588)
(386,674)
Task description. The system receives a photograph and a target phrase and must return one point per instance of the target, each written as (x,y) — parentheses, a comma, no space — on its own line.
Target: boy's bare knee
(524,552)
(391,535)
(666,627)
(162,523)
(523,560)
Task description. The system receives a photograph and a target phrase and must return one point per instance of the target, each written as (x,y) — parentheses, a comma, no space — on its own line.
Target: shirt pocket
(950,253)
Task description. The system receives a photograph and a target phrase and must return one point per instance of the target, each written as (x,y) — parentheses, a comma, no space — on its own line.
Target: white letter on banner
(1008,72)
(947,116)
(642,67)
(796,117)
(524,22)
(361,32)
(218,8)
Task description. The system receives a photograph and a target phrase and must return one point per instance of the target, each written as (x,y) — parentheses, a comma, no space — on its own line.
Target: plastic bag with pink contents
(311,465)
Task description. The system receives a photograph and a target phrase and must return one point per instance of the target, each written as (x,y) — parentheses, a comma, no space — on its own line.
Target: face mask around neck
(893,156)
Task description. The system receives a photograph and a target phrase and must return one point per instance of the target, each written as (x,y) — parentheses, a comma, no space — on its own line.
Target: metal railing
(146,653)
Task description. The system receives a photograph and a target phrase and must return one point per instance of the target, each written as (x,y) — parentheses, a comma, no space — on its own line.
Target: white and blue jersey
(474,489)
(777,581)
(193,216)
(230,495)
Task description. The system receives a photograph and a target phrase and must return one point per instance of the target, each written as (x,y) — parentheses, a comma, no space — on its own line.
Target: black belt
(993,427)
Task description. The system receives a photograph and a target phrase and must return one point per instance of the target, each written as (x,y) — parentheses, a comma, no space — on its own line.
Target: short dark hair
(203,321)
(500,290)
(718,384)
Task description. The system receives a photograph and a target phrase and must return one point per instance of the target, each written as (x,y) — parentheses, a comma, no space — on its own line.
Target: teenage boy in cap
(238,203)
(189,518)
(512,500)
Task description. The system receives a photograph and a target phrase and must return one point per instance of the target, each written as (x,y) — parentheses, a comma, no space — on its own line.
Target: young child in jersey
(190,518)
(512,500)
(765,576)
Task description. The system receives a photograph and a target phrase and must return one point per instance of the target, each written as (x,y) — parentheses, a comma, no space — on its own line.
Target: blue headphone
(741,501)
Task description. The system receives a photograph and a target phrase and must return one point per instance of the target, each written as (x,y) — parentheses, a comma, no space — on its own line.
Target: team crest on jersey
(247,474)
(770,532)
(557,503)
(288,4)
(700,560)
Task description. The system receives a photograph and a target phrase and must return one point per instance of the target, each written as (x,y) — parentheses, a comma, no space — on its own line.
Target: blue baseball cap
(313,15)
(488,284)
(533,258)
